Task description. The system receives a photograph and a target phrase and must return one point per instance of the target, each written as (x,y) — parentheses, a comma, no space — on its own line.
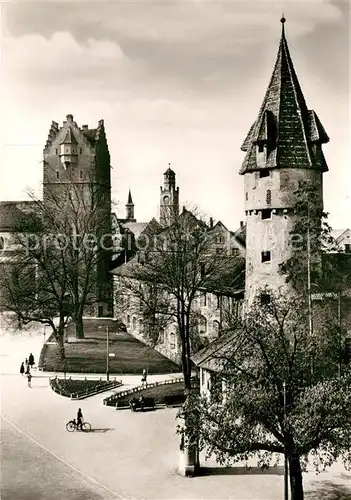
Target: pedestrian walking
(22,369)
(29,378)
(26,364)
(31,360)
(144,378)
(28,370)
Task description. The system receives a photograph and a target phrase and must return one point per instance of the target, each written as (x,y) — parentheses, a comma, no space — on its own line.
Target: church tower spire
(130,208)
(283,148)
(169,201)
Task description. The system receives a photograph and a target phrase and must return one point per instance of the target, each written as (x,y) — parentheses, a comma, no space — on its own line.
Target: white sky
(175,81)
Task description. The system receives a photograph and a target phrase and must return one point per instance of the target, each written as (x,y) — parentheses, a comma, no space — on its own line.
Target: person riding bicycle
(79,419)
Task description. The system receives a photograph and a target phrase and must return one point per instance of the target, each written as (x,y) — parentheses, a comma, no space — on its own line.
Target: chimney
(211,222)
(241,224)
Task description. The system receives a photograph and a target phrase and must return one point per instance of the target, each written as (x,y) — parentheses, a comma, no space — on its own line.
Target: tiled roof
(12,211)
(284,124)
(213,356)
(135,227)
(130,201)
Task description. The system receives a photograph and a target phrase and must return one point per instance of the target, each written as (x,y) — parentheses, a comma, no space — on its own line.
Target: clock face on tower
(166,200)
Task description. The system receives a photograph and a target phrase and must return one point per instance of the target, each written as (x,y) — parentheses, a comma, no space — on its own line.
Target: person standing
(31,360)
(26,364)
(79,419)
(144,377)
(29,378)
(28,370)
(22,369)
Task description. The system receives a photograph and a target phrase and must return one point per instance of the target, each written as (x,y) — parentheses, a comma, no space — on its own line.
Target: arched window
(202,325)
(269,197)
(203,299)
(128,320)
(172,340)
(2,243)
(215,326)
(134,323)
(141,325)
(162,336)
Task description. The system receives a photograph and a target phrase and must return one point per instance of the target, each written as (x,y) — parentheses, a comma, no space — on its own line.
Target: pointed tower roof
(130,200)
(69,137)
(284,124)
(169,172)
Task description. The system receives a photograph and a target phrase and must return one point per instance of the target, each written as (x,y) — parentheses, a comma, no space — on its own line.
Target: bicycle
(72,426)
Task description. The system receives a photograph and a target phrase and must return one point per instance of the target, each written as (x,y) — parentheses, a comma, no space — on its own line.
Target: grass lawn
(159,393)
(89,355)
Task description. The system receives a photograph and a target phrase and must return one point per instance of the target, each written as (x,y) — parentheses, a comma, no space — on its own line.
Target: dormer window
(261,154)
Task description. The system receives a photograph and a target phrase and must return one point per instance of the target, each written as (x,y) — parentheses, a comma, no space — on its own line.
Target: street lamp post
(286,483)
(107,355)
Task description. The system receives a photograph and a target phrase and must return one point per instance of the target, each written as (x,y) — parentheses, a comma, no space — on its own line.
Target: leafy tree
(310,237)
(272,403)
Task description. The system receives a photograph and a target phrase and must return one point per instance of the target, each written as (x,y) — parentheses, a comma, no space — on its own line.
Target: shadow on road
(238,471)
(329,491)
(101,430)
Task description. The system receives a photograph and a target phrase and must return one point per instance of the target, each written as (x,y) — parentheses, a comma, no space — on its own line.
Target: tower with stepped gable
(283,147)
(78,159)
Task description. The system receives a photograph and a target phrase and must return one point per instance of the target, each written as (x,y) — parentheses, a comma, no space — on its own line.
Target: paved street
(128,455)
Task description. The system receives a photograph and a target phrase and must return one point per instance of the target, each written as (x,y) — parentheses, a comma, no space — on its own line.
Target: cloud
(60,52)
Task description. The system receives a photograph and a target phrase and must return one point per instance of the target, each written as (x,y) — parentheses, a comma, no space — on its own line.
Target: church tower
(283,147)
(78,159)
(169,201)
(130,209)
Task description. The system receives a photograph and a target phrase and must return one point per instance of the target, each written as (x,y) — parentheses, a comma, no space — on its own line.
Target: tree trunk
(78,323)
(296,487)
(60,353)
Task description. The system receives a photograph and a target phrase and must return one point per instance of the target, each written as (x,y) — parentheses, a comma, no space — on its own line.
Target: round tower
(283,148)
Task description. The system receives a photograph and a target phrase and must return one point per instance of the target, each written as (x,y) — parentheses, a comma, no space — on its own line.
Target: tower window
(266,214)
(81,174)
(268,197)
(80,151)
(264,172)
(266,256)
(57,174)
(265,298)
(56,151)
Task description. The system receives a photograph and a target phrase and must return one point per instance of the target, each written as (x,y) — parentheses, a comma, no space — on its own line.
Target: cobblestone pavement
(127,455)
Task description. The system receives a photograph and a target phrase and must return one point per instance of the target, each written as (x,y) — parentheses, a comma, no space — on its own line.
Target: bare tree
(175,268)
(67,241)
